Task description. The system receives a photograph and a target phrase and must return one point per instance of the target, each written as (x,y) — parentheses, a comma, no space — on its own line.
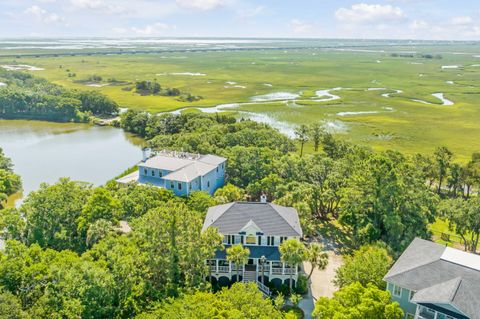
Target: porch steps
(250,276)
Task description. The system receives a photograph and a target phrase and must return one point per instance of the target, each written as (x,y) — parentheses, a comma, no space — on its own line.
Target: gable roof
(439,276)
(273,220)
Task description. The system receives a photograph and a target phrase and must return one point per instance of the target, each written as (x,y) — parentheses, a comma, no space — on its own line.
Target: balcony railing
(224,269)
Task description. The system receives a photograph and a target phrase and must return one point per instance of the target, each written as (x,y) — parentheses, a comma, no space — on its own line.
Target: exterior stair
(250,276)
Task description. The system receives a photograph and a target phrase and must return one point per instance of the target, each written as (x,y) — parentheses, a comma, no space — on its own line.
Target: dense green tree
(52,212)
(463,216)
(200,201)
(387,200)
(368,265)
(229,193)
(12,224)
(356,301)
(240,301)
(10,307)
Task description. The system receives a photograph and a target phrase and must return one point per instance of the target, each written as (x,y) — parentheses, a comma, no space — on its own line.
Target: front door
(250,265)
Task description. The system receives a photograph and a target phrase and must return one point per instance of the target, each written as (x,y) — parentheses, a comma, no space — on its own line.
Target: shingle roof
(426,267)
(273,220)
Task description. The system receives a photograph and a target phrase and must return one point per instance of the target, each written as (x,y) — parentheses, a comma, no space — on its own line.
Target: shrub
(302,285)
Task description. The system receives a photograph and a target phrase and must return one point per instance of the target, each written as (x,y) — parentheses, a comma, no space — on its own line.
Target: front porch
(424,312)
(222,266)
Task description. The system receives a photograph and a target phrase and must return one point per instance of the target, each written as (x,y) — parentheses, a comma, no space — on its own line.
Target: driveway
(321,280)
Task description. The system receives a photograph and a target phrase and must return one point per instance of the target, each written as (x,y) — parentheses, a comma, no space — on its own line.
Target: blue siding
(209,183)
(403,300)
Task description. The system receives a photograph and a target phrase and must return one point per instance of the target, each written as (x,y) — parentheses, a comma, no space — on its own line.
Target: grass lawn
(360,115)
(440,227)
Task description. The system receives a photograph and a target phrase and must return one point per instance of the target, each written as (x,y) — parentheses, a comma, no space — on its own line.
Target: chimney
(263,198)
(145,154)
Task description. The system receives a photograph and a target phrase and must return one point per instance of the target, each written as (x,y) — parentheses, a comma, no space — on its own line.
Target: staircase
(250,276)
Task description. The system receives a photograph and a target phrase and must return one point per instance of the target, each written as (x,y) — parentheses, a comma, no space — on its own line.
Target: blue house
(432,281)
(181,172)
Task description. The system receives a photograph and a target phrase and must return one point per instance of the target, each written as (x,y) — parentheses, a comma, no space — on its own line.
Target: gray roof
(430,270)
(273,220)
(183,167)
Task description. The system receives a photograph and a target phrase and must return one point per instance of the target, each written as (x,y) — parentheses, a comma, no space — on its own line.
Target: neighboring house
(261,227)
(431,281)
(181,172)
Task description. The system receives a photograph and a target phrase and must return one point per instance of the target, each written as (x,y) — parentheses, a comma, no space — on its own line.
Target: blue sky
(394,19)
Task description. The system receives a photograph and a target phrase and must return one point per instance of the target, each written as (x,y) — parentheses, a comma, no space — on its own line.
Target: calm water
(44,152)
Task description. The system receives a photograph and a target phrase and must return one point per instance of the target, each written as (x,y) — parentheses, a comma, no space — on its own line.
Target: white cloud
(202,5)
(46,1)
(246,14)
(43,15)
(155,29)
(418,25)
(99,5)
(370,14)
(462,21)
(299,26)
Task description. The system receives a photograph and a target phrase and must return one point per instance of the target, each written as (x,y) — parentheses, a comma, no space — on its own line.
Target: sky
(378,19)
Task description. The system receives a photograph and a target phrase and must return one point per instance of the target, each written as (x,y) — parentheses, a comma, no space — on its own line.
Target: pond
(45,151)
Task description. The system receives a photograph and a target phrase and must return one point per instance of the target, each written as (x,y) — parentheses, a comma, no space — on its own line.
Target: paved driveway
(321,281)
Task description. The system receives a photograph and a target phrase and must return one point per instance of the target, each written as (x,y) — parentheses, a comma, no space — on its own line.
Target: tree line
(29,97)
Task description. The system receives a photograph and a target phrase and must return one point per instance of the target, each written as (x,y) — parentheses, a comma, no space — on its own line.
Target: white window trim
(393,291)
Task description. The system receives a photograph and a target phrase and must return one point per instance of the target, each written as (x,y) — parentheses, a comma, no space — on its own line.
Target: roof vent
(263,198)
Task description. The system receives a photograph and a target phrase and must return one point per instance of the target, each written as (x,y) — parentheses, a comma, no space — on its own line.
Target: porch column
(283,268)
(216,265)
(417,312)
(271,267)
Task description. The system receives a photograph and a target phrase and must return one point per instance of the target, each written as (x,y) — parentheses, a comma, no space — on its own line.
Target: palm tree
(239,256)
(317,258)
(316,132)
(292,252)
(443,157)
(301,133)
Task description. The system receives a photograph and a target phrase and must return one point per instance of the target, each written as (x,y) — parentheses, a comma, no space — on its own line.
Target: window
(217,169)
(179,186)
(145,172)
(397,291)
(225,239)
(270,240)
(251,240)
(160,174)
(223,165)
(189,185)
(229,239)
(282,239)
(259,240)
(411,294)
(172,185)
(208,184)
(153,172)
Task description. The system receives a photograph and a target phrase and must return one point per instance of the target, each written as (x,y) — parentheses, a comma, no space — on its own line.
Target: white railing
(224,269)
(289,271)
(263,288)
(213,268)
(277,271)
